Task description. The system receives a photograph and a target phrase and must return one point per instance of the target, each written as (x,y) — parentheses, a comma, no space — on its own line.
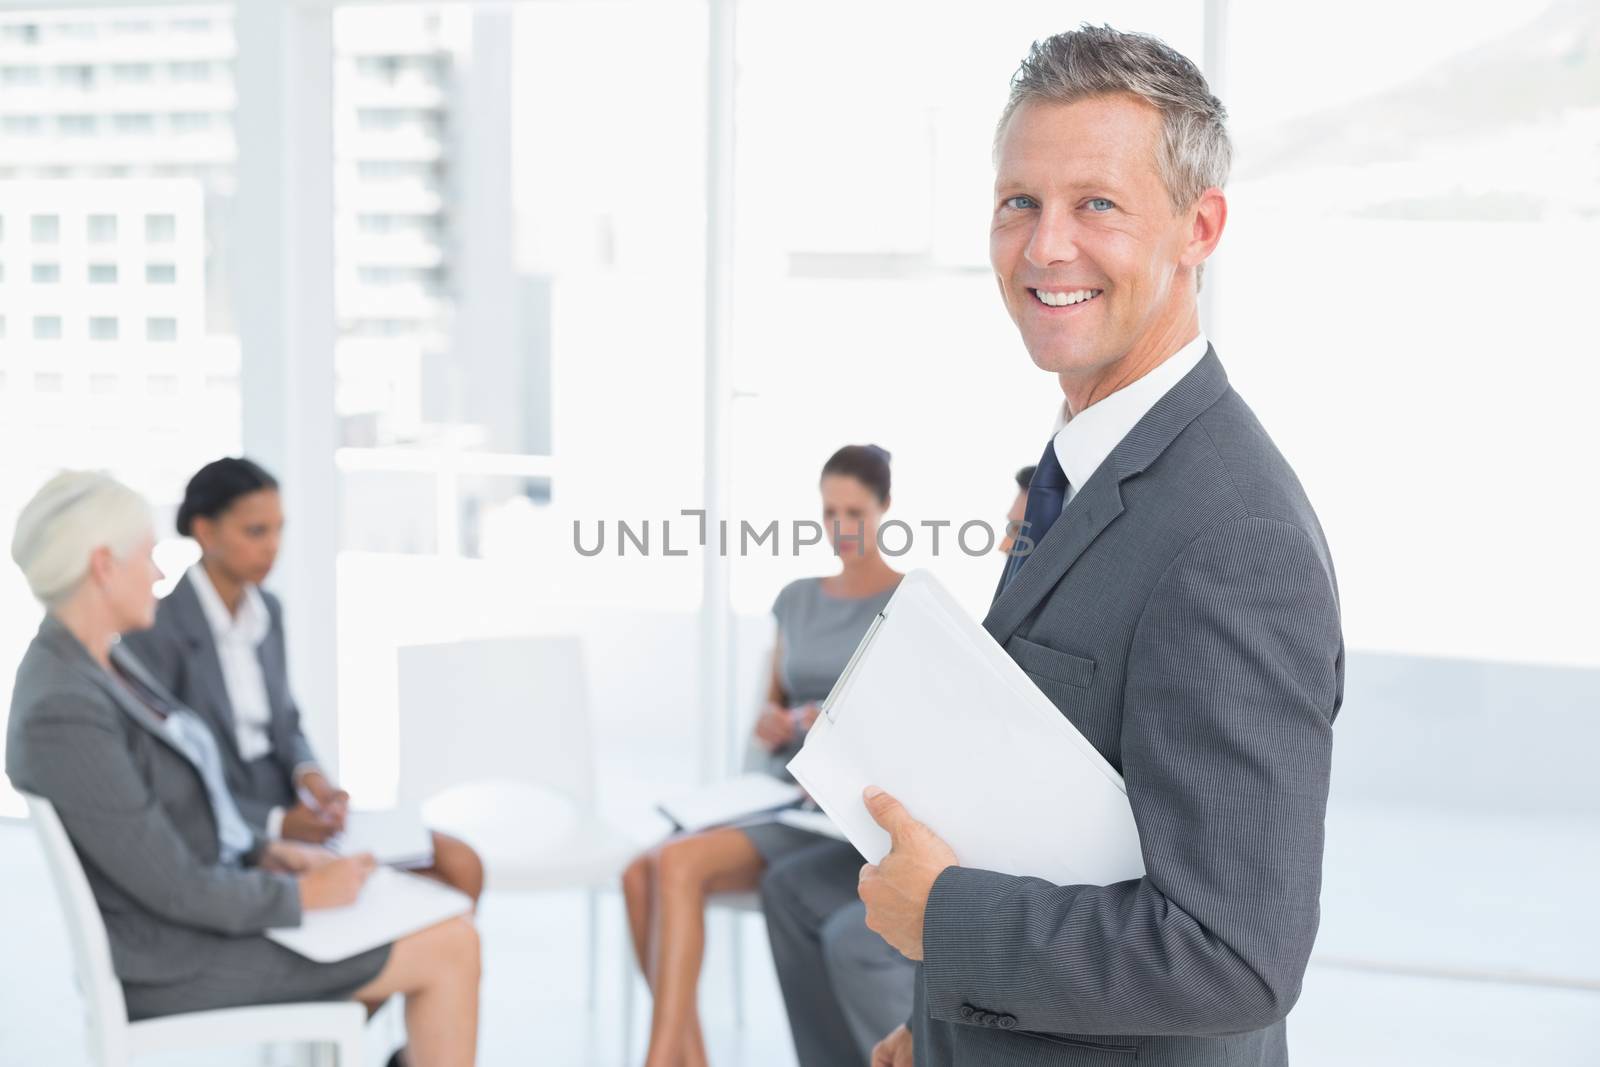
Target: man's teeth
(1058,300)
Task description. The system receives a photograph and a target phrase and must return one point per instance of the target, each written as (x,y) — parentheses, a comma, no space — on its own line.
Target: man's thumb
(885,810)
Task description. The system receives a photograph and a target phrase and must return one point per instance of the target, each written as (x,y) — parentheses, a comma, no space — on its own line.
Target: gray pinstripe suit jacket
(137,812)
(181,651)
(1183,613)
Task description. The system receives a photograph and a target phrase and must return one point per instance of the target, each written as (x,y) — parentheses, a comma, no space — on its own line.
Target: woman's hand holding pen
(333,802)
(775,727)
(321,812)
(336,883)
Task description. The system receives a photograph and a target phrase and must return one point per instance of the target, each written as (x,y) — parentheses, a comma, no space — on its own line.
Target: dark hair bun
(867,464)
(215,487)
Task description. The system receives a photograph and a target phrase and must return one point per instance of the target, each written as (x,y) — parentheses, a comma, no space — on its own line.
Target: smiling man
(1179,607)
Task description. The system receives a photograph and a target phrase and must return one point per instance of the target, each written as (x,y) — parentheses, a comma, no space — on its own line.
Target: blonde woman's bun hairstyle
(73,514)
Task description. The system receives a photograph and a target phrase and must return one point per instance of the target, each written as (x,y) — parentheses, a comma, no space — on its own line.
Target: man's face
(1080,210)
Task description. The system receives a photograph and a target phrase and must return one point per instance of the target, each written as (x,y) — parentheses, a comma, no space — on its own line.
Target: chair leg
(594,949)
(628,986)
(350,1051)
(738,968)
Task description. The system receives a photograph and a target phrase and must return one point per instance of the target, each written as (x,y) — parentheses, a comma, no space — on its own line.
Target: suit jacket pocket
(1049,663)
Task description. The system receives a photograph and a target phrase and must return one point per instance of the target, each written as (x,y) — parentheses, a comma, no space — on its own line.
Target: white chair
(496,748)
(113,1040)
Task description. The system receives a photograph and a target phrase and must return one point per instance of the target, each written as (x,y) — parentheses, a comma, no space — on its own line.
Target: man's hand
(775,727)
(896,890)
(333,801)
(894,1050)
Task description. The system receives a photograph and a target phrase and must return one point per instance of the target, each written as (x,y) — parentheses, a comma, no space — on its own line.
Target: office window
(87,146)
(19,77)
(189,71)
(132,73)
(75,76)
(133,122)
(160,229)
(191,121)
(46,273)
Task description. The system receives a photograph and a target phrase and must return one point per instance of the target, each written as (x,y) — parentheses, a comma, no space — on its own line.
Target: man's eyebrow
(1108,185)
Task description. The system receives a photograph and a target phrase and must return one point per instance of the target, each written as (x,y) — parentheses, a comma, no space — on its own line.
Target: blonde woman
(185,885)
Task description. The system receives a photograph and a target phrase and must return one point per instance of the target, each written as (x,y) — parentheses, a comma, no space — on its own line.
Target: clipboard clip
(849,668)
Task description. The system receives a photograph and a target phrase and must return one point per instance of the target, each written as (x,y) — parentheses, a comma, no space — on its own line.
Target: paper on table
(395,836)
(730,801)
(392,904)
(815,822)
(933,710)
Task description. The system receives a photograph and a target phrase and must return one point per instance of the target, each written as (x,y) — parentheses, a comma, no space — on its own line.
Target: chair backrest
(91,949)
(513,709)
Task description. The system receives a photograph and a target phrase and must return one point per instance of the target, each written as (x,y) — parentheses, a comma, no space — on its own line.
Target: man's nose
(1054,238)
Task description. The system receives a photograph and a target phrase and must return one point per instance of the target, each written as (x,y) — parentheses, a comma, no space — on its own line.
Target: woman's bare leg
(437,971)
(638,891)
(688,870)
(456,863)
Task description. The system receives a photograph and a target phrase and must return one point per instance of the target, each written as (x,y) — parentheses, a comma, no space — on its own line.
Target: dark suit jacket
(182,653)
(138,814)
(1183,614)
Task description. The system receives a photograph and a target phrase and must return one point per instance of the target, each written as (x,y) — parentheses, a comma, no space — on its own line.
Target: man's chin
(1072,360)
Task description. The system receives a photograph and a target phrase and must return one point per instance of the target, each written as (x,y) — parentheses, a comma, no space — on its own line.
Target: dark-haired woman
(820,622)
(218,646)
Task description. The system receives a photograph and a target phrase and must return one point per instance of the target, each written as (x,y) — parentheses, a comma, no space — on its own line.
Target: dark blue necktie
(1047,492)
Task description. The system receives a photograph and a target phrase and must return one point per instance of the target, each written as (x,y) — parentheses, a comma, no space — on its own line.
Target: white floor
(535,1009)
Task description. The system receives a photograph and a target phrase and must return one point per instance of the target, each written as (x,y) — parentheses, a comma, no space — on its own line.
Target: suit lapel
(206,664)
(67,646)
(1099,502)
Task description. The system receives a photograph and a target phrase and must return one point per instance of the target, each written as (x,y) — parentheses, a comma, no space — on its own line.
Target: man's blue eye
(1100,203)
(1020,202)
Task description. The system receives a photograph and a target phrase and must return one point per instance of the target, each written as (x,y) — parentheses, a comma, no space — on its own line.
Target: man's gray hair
(1195,152)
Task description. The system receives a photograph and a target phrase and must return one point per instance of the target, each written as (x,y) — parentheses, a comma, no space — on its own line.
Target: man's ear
(1207,219)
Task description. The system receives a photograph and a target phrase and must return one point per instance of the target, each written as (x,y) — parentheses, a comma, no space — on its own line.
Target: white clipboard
(933,710)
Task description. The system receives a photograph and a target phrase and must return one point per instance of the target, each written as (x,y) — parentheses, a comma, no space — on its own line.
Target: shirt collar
(251,623)
(1085,440)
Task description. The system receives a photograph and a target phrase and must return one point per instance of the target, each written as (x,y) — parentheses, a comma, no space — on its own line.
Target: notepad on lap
(392,904)
(933,710)
(812,822)
(395,836)
(731,801)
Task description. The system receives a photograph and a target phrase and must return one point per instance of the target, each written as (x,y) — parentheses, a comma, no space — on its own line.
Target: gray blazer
(137,812)
(181,652)
(1183,613)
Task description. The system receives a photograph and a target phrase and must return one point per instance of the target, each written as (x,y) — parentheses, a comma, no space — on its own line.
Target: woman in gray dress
(185,885)
(820,622)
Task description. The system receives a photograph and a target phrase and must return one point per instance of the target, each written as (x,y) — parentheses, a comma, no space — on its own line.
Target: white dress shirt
(238,639)
(1084,440)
